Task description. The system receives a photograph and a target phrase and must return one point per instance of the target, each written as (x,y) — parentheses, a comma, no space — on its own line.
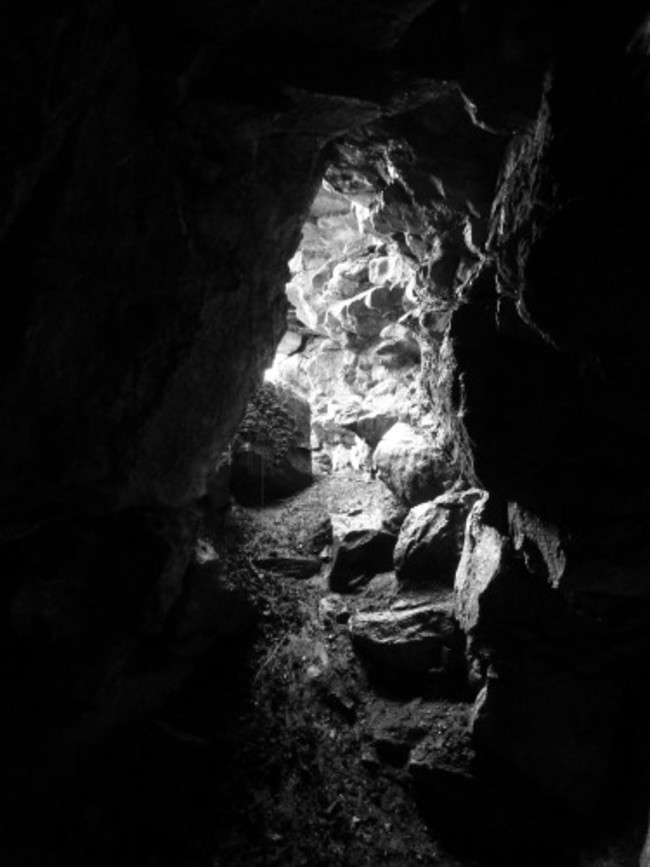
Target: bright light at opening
(272,374)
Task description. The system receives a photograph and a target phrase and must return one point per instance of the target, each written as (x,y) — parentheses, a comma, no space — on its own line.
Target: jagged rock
(333,609)
(358,554)
(540,543)
(398,347)
(317,535)
(431,539)
(393,513)
(396,729)
(290,343)
(398,353)
(494,821)
(367,313)
(482,561)
(380,408)
(445,744)
(411,466)
(557,727)
(405,638)
(553,724)
(271,455)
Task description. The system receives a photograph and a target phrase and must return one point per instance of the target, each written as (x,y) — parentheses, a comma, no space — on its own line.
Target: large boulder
(411,638)
(362,547)
(271,455)
(411,465)
(431,539)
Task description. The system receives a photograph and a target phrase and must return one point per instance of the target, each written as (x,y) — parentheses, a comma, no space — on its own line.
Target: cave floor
(297,780)
(266,756)
(282,748)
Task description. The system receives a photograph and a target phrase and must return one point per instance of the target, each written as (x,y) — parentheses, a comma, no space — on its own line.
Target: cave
(414,229)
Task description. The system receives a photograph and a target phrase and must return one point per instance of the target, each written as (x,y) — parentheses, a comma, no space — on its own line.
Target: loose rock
(271,455)
(409,639)
(409,464)
(431,540)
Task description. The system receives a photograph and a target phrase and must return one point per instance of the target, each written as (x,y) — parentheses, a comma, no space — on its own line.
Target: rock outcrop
(271,454)
(412,465)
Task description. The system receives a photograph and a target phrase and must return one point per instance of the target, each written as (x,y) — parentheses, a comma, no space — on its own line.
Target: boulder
(359,553)
(482,561)
(409,463)
(407,638)
(271,455)
(431,539)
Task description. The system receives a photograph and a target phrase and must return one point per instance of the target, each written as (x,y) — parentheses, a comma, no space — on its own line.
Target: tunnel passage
(159,168)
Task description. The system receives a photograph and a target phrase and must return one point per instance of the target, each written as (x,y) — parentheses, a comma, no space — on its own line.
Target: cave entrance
(359,656)
(351,348)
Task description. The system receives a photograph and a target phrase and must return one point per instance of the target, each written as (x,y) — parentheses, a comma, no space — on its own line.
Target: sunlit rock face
(353,303)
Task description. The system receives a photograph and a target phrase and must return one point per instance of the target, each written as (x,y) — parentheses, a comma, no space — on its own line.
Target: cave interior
(252,251)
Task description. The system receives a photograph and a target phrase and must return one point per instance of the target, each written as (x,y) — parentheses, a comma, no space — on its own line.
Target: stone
(556,725)
(358,554)
(431,539)
(333,609)
(371,420)
(445,742)
(482,562)
(411,466)
(396,729)
(493,822)
(292,567)
(398,353)
(405,638)
(271,454)
(541,544)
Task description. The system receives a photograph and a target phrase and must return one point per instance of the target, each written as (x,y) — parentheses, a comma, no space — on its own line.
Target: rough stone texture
(351,290)
(431,540)
(483,560)
(292,567)
(409,638)
(550,362)
(396,731)
(362,546)
(271,455)
(409,463)
(556,723)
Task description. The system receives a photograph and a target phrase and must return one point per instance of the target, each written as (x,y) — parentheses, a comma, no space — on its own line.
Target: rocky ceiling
(158,164)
